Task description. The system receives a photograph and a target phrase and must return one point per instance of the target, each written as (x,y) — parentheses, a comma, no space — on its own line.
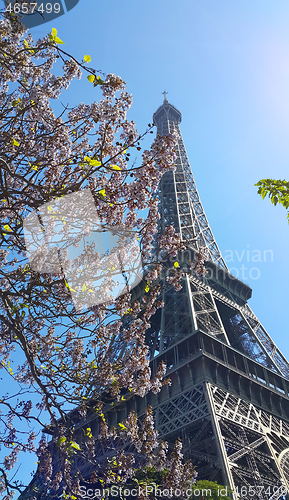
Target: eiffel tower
(229,397)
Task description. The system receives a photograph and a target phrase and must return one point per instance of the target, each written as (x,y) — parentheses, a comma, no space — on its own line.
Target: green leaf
(92,161)
(274,200)
(54,38)
(277,191)
(13,310)
(74,445)
(60,441)
(88,432)
(98,81)
(69,287)
(95,163)
(58,40)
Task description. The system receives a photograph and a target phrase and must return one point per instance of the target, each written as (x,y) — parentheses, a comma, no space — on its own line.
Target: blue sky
(225,65)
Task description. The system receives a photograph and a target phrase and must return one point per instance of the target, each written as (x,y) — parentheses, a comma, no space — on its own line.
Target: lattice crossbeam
(247,449)
(251,444)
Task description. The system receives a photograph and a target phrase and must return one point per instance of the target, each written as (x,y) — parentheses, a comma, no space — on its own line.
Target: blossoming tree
(63,354)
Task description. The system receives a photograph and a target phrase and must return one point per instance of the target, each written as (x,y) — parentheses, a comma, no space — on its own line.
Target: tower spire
(180,204)
(165,95)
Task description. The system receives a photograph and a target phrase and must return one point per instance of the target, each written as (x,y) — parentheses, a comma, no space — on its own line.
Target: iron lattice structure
(229,399)
(229,396)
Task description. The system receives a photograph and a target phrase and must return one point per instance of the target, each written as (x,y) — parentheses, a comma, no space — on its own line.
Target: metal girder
(279,493)
(179,201)
(252,443)
(205,311)
(182,410)
(279,361)
(176,320)
(240,453)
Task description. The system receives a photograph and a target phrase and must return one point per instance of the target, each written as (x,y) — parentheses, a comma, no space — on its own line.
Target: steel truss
(200,306)
(227,435)
(229,439)
(179,201)
(256,443)
(197,306)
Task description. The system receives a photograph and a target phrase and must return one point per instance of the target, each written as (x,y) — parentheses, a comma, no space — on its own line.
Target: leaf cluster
(276,190)
(209,490)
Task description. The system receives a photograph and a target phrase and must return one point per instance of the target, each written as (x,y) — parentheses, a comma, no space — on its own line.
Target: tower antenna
(165,95)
